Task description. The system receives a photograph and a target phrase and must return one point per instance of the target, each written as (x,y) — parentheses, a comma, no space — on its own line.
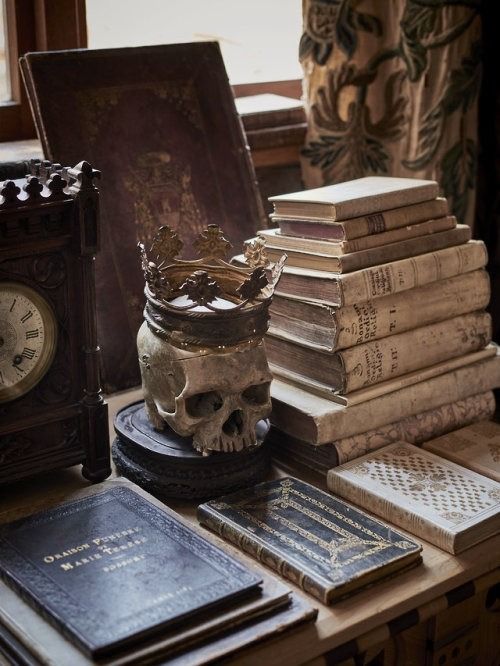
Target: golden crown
(205,301)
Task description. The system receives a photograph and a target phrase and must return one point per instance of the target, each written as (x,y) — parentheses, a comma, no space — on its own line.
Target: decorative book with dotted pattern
(431,497)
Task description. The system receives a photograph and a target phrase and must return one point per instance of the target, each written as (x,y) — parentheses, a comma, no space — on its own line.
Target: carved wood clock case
(52,414)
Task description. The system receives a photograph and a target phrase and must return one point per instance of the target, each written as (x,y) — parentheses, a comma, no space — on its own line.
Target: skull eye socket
(257,394)
(204,404)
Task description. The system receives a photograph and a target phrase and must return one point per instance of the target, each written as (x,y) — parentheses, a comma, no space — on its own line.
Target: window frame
(35,25)
(46,25)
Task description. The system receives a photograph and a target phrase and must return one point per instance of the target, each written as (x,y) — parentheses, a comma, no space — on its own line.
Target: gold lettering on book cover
(96,103)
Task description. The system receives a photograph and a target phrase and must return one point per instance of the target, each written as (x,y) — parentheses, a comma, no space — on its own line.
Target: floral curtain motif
(391,88)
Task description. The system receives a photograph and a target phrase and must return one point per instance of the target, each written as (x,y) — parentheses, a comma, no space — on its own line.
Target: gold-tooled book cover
(323,544)
(161,125)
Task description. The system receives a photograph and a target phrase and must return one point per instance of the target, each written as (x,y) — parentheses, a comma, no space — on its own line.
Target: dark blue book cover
(113,568)
(323,544)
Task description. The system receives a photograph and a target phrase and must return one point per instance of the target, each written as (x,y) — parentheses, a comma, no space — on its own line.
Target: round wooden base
(166,464)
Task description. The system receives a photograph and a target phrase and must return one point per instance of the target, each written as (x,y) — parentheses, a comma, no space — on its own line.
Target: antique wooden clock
(52,414)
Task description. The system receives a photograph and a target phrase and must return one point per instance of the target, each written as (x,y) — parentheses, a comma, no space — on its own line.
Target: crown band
(201,329)
(205,302)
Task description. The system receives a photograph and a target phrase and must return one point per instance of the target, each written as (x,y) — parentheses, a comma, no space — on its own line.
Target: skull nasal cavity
(234,424)
(204,404)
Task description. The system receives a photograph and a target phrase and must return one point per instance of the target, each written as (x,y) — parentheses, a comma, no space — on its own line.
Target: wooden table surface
(363,615)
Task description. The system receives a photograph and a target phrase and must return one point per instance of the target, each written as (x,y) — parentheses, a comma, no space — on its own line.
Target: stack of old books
(378,325)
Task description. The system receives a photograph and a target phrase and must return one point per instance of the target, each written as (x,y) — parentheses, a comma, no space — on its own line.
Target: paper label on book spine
(388,315)
(399,354)
(413,272)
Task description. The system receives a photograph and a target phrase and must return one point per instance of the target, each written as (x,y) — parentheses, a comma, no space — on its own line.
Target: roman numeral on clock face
(25,317)
(31,334)
(28,353)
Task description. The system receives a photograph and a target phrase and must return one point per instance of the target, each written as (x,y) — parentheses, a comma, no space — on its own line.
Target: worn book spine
(248,543)
(432,423)
(327,328)
(395,384)
(431,303)
(355,261)
(396,355)
(382,505)
(327,288)
(263,111)
(419,427)
(397,276)
(356,227)
(337,248)
(382,360)
(319,421)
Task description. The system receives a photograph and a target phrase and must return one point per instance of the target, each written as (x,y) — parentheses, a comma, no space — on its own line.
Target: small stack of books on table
(378,326)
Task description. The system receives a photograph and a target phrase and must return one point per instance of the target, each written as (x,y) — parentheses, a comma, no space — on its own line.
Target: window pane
(4,79)
(259,39)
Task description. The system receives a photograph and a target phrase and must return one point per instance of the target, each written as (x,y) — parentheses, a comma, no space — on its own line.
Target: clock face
(28,335)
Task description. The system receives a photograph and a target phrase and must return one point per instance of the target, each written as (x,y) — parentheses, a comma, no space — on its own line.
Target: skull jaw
(208,441)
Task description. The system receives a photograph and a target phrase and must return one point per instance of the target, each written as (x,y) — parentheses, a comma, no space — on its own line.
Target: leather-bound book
(326,546)
(161,125)
(113,568)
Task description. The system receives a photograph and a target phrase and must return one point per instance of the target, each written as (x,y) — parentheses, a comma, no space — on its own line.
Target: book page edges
(319,421)
(383,388)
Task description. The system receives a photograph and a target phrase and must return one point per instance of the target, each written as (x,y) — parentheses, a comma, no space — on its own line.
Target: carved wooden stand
(49,235)
(166,464)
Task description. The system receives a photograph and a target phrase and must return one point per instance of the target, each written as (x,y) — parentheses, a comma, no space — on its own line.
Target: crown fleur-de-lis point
(277,270)
(255,253)
(252,287)
(211,243)
(166,245)
(201,288)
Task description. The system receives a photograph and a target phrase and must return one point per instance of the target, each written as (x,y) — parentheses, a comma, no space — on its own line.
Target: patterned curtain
(391,88)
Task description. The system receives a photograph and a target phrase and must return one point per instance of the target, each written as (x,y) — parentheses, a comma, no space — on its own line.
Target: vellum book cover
(323,544)
(113,568)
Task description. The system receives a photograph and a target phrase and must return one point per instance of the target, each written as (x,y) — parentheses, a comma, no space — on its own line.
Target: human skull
(217,396)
